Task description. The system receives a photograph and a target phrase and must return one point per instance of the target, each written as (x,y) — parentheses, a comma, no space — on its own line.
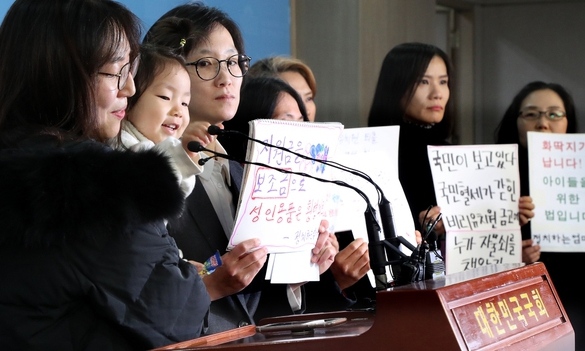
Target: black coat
(563,267)
(86,262)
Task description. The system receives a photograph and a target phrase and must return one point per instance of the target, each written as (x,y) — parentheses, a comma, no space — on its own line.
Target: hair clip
(182,42)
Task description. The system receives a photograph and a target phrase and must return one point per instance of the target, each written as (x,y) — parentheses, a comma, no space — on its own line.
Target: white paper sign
(557,188)
(284,210)
(477,188)
(373,151)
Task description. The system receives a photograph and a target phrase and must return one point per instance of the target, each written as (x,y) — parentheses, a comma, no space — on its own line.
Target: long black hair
(402,69)
(51,53)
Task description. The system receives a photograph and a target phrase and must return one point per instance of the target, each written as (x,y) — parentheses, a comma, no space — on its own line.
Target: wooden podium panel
(500,307)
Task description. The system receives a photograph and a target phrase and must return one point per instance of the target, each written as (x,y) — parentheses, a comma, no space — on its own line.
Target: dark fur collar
(82,192)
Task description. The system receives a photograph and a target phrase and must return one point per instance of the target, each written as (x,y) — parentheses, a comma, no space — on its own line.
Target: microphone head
(214,130)
(195,146)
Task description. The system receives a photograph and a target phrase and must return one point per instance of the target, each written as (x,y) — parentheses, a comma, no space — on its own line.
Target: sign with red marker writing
(557,185)
(280,202)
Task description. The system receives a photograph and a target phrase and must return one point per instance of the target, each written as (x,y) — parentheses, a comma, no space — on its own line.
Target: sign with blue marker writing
(557,185)
(279,202)
(477,188)
(372,151)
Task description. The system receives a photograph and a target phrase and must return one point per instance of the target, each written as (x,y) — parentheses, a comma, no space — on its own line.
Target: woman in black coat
(525,114)
(413,92)
(85,258)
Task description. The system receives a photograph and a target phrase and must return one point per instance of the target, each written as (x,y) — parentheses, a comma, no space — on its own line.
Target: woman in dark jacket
(525,114)
(413,92)
(85,258)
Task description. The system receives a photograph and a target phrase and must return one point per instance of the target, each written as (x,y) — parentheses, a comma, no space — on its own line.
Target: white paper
(477,188)
(285,210)
(557,188)
(293,267)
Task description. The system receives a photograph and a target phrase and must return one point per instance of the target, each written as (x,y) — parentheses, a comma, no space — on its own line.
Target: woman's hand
(430,216)
(351,263)
(526,207)
(325,250)
(238,269)
(530,252)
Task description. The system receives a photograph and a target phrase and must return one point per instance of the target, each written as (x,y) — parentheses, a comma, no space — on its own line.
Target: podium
(499,307)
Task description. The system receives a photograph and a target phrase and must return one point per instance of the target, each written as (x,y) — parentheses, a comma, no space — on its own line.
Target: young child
(158,114)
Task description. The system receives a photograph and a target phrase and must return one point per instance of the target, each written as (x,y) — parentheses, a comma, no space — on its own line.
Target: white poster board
(477,188)
(284,210)
(557,187)
(374,152)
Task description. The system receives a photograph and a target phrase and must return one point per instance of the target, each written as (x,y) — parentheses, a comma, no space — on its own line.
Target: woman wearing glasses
(85,259)
(537,107)
(547,108)
(216,61)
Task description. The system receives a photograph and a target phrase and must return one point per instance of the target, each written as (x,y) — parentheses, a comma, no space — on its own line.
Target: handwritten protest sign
(557,185)
(373,151)
(477,188)
(282,209)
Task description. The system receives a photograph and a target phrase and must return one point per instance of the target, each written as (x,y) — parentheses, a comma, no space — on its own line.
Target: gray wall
(344,42)
(522,42)
(499,46)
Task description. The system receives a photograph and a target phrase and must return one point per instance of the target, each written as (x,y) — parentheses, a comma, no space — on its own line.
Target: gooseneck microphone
(195,146)
(391,241)
(376,249)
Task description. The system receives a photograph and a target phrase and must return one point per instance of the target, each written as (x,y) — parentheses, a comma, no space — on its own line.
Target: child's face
(163,109)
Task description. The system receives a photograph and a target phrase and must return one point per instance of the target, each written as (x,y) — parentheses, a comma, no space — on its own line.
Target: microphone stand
(391,242)
(376,249)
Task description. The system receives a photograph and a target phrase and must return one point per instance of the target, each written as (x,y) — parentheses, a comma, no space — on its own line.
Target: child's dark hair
(177,34)
(153,61)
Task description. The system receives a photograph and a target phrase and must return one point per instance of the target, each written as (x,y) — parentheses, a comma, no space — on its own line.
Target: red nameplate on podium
(500,307)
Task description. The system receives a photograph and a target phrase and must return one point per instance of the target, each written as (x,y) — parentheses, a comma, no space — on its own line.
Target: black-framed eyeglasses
(130,67)
(551,115)
(207,68)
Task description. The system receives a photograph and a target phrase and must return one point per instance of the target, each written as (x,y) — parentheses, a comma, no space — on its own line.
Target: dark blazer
(199,235)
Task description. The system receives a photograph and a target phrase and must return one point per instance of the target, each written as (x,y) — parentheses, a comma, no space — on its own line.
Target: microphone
(376,250)
(392,242)
(435,266)
(195,146)
(215,130)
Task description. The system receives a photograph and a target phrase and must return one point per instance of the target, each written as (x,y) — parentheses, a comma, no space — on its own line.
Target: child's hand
(197,131)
